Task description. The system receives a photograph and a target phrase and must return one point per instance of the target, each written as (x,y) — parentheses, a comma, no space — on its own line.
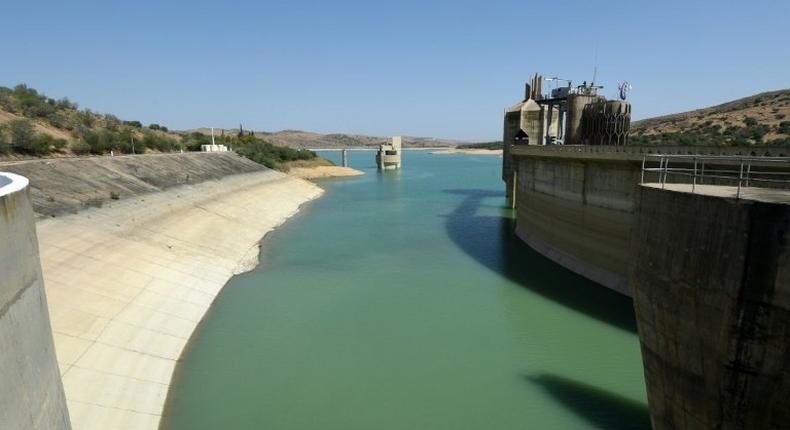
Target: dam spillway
(402,300)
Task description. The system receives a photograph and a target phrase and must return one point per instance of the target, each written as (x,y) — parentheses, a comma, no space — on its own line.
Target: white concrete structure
(129,282)
(213,148)
(389,155)
(31,392)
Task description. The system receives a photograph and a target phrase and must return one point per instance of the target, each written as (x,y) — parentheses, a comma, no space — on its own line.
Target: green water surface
(401,300)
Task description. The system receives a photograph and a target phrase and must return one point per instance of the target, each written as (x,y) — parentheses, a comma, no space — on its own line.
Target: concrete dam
(703,255)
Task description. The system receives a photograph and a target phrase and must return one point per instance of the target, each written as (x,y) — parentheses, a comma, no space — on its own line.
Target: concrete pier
(31,392)
(712,297)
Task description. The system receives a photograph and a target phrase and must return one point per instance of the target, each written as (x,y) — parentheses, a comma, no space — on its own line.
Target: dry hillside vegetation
(307,140)
(762,119)
(32,124)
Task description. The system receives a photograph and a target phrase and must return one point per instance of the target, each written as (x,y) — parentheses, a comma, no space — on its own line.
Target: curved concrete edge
(11,183)
(570,262)
(32,391)
(129,282)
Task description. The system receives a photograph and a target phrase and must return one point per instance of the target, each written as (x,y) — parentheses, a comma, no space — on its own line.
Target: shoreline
(469,151)
(324,172)
(129,283)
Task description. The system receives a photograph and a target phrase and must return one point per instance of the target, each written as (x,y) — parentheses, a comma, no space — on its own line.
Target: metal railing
(771,172)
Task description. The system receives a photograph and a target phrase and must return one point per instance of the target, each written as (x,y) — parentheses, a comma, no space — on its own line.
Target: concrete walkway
(768,195)
(128,283)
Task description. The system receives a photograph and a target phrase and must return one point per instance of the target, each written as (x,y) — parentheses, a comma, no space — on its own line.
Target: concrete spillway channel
(127,279)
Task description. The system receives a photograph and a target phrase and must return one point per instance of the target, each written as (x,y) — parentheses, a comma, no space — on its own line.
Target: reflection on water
(494,244)
(401,300)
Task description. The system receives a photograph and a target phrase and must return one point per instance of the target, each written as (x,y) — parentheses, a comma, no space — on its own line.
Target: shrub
(80,147)
(60,144)
(112,122)
(22,133)
(5,141)
(42,144)
(270,155)
(159,142)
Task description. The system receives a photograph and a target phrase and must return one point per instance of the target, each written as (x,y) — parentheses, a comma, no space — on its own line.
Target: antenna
(595,66)
(624,89)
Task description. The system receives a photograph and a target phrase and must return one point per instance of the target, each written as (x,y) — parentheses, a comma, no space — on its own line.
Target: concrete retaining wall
(31,392)
(65,186)
(578,210)
(712,299)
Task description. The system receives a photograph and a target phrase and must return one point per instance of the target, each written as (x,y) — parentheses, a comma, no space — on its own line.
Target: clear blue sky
(441,68)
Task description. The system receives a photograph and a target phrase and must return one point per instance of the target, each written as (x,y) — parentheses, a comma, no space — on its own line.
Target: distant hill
(759,119)
(307,140)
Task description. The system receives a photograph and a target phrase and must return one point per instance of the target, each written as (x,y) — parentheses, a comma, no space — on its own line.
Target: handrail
(742,171)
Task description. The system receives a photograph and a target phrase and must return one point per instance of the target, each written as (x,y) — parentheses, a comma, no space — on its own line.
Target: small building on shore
(213,147)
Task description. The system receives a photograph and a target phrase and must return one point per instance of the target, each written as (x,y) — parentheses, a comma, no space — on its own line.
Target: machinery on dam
(565,115)
(388,156)
(568,115)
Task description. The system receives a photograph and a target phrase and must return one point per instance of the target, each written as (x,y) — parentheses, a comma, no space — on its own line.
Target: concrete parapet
(711,291)
(636,152)
(31,391)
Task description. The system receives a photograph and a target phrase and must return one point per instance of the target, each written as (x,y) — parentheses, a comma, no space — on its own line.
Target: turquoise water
(401,300)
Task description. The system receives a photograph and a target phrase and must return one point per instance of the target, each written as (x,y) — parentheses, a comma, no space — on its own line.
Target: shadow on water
(599,407)
(490,239)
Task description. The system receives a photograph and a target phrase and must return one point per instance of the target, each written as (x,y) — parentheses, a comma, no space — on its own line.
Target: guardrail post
(642,181)
(666,164)
(740,178)
(748,171)
(702,175)
(694,180)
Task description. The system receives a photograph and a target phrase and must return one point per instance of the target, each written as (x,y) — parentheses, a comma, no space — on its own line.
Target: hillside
(32,124)
(307,140)
(759,119)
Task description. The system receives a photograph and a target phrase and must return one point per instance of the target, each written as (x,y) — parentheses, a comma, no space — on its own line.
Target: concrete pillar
(31,391)
(712,299)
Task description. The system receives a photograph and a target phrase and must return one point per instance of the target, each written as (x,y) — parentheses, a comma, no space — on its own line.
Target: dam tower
(388,156)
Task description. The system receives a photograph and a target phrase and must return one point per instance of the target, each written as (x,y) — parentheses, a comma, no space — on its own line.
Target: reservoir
(402,300)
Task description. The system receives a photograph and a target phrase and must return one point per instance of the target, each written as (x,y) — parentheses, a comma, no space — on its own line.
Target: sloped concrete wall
(31,392)
(712,298)
(69,185)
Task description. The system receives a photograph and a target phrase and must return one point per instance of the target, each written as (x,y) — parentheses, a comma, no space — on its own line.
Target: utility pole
(132,138)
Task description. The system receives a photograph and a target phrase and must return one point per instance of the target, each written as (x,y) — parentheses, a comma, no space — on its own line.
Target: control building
(566,115)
